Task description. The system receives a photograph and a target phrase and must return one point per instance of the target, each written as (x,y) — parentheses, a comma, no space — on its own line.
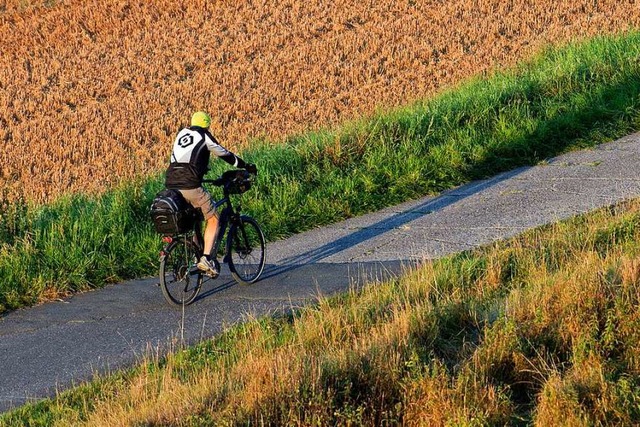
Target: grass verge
(565,98)
(540,328)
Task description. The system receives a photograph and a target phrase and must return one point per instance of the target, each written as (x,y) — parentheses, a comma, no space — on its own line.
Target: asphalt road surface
(55,345)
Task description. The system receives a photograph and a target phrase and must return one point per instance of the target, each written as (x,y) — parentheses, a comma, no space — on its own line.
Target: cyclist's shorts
(200,198)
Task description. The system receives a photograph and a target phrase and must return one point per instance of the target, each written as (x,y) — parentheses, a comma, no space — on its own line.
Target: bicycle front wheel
(180,279)
(246,250)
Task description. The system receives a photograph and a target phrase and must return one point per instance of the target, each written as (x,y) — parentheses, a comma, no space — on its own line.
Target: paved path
(52,346)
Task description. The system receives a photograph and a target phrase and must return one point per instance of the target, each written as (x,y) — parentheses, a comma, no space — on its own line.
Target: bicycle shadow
(274,273)
(222,285)
(387,224)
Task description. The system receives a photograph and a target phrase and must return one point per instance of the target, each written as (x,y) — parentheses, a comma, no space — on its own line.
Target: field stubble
(92,92)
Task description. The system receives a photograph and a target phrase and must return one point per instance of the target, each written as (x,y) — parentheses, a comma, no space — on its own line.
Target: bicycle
(244,251)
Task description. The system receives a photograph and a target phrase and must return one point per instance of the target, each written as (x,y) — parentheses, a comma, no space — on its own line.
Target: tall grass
(565,98)
(538,330)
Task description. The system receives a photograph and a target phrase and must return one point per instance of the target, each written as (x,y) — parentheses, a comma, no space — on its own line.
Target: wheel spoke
(246,250)
(180,285)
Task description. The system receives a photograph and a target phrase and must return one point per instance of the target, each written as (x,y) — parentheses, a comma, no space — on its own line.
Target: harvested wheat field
(91,92)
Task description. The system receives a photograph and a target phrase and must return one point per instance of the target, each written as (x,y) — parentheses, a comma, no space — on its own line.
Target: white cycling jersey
(190,158)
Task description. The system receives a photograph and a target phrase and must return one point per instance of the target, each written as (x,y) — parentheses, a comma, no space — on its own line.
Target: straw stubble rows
(91,92)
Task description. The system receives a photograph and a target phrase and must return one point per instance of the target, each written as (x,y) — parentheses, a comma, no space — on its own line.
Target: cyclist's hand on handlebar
(251,168)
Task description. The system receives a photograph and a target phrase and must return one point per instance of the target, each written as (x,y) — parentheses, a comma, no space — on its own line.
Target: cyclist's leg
(210,234)
(200,198)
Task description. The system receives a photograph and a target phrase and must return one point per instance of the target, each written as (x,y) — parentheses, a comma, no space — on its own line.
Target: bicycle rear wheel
(246,250)
(180,279)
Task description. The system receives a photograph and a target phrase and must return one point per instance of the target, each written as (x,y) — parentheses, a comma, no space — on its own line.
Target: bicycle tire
(180,279)
(246,250)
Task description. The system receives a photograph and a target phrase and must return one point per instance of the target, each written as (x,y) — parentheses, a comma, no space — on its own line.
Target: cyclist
(188,165)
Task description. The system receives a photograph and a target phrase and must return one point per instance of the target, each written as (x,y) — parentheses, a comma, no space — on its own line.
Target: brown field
(91,92)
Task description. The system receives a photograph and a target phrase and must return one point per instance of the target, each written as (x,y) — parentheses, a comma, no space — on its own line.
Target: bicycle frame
(228,215)
(178,270)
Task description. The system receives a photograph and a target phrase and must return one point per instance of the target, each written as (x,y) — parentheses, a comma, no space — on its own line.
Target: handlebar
(228,176)
(217,182)
(233,181)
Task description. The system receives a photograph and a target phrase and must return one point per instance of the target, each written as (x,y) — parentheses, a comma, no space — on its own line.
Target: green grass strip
(565,98)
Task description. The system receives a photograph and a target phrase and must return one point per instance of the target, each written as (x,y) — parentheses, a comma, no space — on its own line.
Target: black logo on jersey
(185,141)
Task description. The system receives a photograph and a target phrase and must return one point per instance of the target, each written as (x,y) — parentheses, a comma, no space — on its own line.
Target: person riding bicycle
(188,165)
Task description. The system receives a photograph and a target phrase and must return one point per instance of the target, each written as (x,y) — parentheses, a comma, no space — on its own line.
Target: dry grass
(91,92)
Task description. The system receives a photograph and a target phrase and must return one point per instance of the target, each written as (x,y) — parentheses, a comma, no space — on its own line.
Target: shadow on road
(387,224)
(303,267)
(222,285)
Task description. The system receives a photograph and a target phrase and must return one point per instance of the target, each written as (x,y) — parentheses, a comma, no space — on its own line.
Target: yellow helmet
(201,119)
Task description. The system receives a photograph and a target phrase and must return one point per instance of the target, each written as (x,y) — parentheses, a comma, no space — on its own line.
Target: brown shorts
(200,198)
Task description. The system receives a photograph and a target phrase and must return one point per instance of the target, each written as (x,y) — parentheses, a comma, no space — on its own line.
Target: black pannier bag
(171,213)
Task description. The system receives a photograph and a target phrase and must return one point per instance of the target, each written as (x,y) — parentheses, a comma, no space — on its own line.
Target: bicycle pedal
(212,275)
